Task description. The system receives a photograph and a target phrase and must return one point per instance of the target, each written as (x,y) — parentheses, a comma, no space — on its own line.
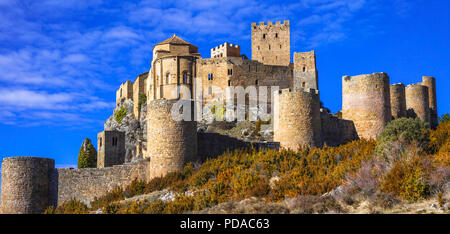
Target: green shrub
(444,118)
(68,207)
(406,130)
(120,114)
(87,156)
(142,100)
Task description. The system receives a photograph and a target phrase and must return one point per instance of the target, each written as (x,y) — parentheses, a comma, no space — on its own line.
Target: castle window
(258,47)
(185,77)
(304,69)
(209,76)
(280,46)
(303,84)
(269,47)
(168,78)
(229,82)
(264,36)
(256,82)
(263,58)
(230,72)
(276,35)
(100,141)
(120,92)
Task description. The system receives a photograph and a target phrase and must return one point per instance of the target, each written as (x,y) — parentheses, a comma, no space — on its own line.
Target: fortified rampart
(139,93)
(26,185)
(31,184)
(236,71)
(430,82)
(366,101)
(305,71)
(417,103)
(87,183)
(271,43)
(211,145)
(171,143)
(297,118)
(226,50)
(336,131)
(125,91)
(398,100)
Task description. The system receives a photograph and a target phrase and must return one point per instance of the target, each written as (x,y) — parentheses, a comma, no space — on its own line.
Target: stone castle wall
(125,91)
(211,145)
(366,101)
(235,71)
(305,72)
(111,148)
(87,183)
(171,144)
(430,82)
(226,50)
(26,185)
(417,103)
(271,43)
(336,131)
(398,100)
(297,118)
(139,88)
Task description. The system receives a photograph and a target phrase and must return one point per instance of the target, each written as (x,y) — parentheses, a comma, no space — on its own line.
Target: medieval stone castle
(369,103)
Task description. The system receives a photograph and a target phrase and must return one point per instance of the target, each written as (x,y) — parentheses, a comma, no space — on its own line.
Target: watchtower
(111,148)
(271,43)
(297,118)
(366,101)
(305,71)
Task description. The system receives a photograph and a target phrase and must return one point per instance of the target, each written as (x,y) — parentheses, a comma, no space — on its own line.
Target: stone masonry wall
(305,72)
(211,145)
(336,131)
(87,183)
(297,118)
(430,82)
(26,187)
(171,143)
(366,101)
(271,43)
(417,103)
(398,100)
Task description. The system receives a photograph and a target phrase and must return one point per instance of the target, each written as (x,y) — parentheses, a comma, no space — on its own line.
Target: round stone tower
(430,82)
(171,142)
(417,103)
(297,118)
(25,184)
(366,101)
(398,101)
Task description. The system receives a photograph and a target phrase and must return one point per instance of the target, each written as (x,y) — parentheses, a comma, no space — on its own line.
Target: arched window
(276,35)
(303,84)
(264,36)
(185,78)
(256,82)
(168,78)
(304,69)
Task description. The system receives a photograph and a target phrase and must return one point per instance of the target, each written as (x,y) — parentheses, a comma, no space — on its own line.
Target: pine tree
(87,157)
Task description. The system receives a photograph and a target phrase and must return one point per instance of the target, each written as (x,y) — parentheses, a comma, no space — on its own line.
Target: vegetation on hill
(414,167)
(87,156)
(120,114)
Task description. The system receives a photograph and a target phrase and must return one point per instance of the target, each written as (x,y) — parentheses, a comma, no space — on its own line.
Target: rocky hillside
(135,129)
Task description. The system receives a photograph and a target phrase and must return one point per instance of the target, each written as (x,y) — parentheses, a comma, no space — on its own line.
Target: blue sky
(61,61)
